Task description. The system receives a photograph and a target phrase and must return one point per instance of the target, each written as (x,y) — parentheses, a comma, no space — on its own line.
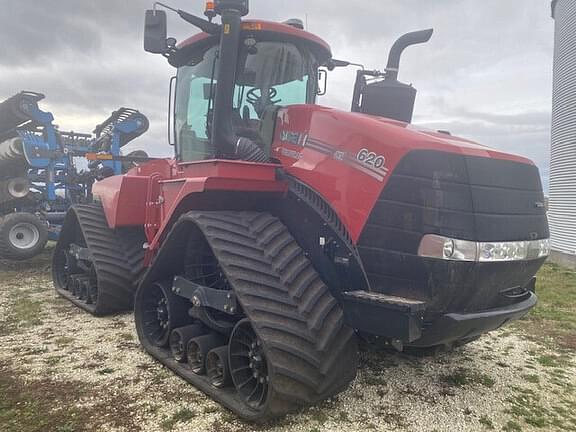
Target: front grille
(470,198)
(464,197)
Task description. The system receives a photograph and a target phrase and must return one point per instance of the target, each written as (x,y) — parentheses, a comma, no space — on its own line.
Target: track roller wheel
(248,365)
(109,262)
(179,340)
(198,349)
(81,288)
(217,367)
(92,288)
(22,236)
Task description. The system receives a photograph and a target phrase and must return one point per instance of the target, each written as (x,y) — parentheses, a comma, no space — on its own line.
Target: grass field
(553,320)
(63,371)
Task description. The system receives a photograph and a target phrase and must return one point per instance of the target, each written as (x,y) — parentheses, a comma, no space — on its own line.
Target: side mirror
(155,32)
(322,82)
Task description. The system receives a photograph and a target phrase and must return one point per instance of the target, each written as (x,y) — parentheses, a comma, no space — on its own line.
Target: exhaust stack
(414,38)
(389,97)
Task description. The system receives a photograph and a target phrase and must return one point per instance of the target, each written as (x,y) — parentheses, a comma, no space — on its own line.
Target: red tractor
(283,231)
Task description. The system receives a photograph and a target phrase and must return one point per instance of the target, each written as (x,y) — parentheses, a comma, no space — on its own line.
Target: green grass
(128,337)
(486,422)
(181,416)
(463,377)
(531,378)
(23,279)
(512,426)
(23,312)
(555,314)
(526,405)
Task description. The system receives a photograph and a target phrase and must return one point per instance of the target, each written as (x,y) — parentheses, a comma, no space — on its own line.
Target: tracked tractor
(282,232)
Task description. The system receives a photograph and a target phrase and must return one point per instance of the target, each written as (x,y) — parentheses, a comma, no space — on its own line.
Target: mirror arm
(202,24)
(334,63)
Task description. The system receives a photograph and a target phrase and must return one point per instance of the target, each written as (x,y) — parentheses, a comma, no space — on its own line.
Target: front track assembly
(94,267)
(233,306)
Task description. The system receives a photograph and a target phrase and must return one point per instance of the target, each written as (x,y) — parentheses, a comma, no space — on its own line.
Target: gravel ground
(94,368)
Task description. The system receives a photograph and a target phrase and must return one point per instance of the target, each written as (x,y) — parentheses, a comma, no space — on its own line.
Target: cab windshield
(270,74)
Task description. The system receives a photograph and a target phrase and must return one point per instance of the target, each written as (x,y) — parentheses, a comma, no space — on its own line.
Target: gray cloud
(486,74)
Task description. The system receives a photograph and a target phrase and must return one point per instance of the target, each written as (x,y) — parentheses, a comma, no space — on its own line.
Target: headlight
(435,246)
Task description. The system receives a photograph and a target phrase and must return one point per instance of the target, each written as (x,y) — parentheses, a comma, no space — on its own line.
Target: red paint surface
(351,192)
(258,25)
(150,194)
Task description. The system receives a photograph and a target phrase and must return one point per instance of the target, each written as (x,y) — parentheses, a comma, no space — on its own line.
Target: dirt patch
(45,404)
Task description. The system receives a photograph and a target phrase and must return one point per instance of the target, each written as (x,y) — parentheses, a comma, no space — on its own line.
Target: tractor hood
(354,160)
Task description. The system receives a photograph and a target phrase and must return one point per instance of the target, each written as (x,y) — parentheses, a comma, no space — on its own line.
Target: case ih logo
(295,138)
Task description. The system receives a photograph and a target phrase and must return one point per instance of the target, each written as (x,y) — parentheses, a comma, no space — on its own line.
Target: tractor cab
(233,78)
(275,68)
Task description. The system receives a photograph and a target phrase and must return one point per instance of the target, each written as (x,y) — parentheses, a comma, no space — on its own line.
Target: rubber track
(117,255)
(312,352)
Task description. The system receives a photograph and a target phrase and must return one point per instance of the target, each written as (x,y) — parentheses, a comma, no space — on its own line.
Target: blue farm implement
(43,171)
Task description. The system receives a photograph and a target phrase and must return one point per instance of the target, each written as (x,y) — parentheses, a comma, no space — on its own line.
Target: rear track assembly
(94,267)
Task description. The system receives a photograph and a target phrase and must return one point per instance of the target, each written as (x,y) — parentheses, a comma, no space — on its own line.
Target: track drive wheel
(22,236)
(95,267)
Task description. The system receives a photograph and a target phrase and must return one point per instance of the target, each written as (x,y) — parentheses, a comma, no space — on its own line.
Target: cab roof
(267,30)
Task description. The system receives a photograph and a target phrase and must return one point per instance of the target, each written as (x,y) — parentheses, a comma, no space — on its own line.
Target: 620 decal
(371,159)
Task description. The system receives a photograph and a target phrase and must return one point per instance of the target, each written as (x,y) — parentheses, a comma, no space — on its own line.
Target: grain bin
(562,214)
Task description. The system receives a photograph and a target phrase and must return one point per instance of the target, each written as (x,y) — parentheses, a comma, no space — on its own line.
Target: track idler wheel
(162,313)
(198,349)
(180,337)
(217,367)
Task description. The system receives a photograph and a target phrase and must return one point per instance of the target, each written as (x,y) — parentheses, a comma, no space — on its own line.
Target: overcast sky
(485,75)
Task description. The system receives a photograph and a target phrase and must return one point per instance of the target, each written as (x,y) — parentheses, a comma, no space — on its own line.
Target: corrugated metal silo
(562,214)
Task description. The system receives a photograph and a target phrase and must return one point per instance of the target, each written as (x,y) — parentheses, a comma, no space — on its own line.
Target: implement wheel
(22,236)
